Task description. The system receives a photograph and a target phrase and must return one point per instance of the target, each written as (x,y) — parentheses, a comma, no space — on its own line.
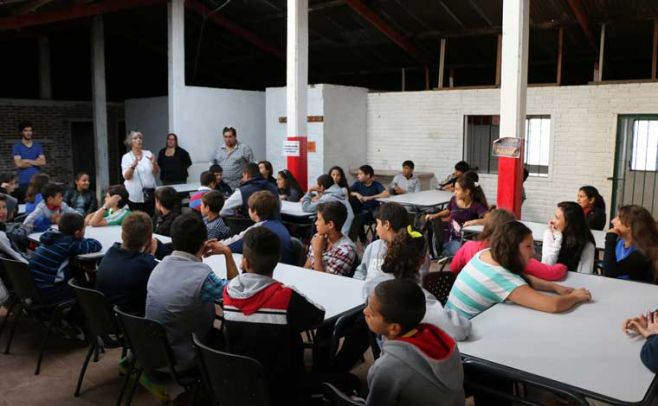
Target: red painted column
(510,184)
(298,165)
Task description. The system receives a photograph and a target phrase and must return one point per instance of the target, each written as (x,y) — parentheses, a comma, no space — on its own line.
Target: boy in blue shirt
(49,210)
(365,192)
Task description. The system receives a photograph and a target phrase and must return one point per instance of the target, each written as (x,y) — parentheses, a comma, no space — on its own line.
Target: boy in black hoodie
(420,364)
(264,318)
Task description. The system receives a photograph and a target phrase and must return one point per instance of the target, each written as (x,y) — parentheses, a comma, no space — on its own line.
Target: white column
(601,53)
(45,90)
(100,105)
(442,61)
(297,67)
(176,61)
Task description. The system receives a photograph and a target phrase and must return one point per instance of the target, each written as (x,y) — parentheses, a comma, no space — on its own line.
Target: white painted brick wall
(428,128)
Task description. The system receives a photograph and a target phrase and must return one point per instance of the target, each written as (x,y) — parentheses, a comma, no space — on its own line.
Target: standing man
(28,157)
(233,157)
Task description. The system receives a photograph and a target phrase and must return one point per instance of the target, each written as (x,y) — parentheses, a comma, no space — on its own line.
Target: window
(645,146)
(481,131)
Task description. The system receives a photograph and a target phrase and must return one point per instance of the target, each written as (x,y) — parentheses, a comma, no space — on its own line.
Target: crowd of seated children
(182,290)
(252,182)
(8,185)
(494,219)
(220,186)
(167,208)
(331,251)
(594,207)
(448,184)
(289,189)
(420,364)
(49,210)
(568,240)
(496,274)
(114,209)
(124,271)
(325,191)
(208,182)
(50,262)
(33,194)
(631,245)
(266,171)
(211,205)
(338,176)
(264,318)
(81,198)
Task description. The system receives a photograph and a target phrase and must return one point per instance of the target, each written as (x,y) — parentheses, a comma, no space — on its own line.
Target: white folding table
(294,209)
(337,294)
(186,187)
(582,351)
(425,199)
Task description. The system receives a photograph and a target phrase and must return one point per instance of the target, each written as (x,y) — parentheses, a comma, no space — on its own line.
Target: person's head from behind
(37,182)
(589,198)
(265,168)
(395,307)
(189,234)
(261,251)
(53,194)
(331,217)
(250,171)
(82,181)
(3,208)
(285,181)
(467,189)
(262,206)
(137,231)
(9,181)
(390,219)
(218,171)
(405,254)
(493,220)
(408,168)
(338,176)
(365,174)
(25,130)
(324,182)
(208,179)
(461,168)
(72,224)
(166,199)
(211,203)
(120,200)
(512,246)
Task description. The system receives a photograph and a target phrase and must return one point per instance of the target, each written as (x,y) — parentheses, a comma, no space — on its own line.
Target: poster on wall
(290,148)
(507,147)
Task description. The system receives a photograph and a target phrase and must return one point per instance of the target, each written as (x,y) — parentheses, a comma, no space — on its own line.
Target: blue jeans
(450,248)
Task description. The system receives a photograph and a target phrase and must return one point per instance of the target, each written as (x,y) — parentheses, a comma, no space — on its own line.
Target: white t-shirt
(142,176)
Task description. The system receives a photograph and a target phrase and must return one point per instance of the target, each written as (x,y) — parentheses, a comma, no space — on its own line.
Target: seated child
(208,183)
(81,198)
(646,325)
(405,182)
(366,188)
(49,262)
(49,210)
(211,204)
(420,364)
(124,271)
(568,240)
(326,191)
(461,168)
(33,194)
(167,209)
(266,171)
(8,184)
(331,251)
(264,318)
(288,186)
(182,290)
(113,211)
(593,206)
(220,186)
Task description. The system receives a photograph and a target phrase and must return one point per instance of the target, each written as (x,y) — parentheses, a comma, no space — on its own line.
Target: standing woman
(568,240)
(173,161)
(593,205)
(139,168)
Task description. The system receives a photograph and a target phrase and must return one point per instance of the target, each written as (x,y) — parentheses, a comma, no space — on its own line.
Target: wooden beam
(31,7)
(442,62)
(654,52)
(601,52)
(404,80)
(451,14)
(560,45)
(427,78)
(499,50)
(580,13)
(480,12)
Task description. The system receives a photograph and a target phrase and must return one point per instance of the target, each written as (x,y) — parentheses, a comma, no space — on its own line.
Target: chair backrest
(439,284)
(232,379)
(337,398)
(148,340)
(238,224)
(97,310)
(297,253)
(344,323)
(21,280)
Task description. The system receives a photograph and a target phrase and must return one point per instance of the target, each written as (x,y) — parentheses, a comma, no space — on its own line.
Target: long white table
(337,294)
(582,351)
(538,232)
(107,236)
(294,209)
(186,187)
(421,200)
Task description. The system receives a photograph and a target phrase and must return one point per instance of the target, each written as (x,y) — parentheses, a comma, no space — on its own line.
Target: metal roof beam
(580,13)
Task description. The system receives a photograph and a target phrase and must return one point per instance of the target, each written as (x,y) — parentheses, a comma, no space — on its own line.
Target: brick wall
(51,124)
(428,127)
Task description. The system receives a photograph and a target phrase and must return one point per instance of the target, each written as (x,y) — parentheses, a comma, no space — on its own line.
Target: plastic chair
(100,323)
(231,379)
(147,339)
(335,397)
(29,301)
(238,224)
(297,252)
(439,284)
(10,301)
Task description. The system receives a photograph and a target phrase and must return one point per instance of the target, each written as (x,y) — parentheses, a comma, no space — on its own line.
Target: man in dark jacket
(252,182)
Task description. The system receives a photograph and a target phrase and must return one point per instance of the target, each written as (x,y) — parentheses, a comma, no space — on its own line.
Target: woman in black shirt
(173,161)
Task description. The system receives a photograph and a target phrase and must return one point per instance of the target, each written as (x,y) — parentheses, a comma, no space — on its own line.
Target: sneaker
(124,363)
(156,389)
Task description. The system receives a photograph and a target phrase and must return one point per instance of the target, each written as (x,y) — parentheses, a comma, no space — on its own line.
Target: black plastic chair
(10,301)
(297,252)
(29,301)
(100,322)
(147,339)
(232,380)
(335,397)
(439,284)
(238,224)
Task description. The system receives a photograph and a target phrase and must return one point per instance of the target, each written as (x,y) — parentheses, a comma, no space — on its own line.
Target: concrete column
(99,96)
(45,89)
(176,62)
(514,81)
(297,86)
(442,62)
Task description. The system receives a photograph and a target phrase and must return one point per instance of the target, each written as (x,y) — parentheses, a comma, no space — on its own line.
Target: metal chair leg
(126,380)
(13,329)
(4,321)
(92,346)
(134,388)
(42,348)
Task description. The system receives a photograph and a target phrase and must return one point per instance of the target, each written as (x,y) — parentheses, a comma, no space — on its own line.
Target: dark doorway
(84,153)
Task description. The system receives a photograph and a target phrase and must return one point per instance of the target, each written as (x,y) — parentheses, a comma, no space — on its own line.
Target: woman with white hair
(138,167)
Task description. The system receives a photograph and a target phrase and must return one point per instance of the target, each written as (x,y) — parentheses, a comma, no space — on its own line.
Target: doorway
(84,152)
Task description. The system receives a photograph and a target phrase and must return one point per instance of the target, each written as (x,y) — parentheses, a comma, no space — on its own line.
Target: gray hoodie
(424,369)
(334,193)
